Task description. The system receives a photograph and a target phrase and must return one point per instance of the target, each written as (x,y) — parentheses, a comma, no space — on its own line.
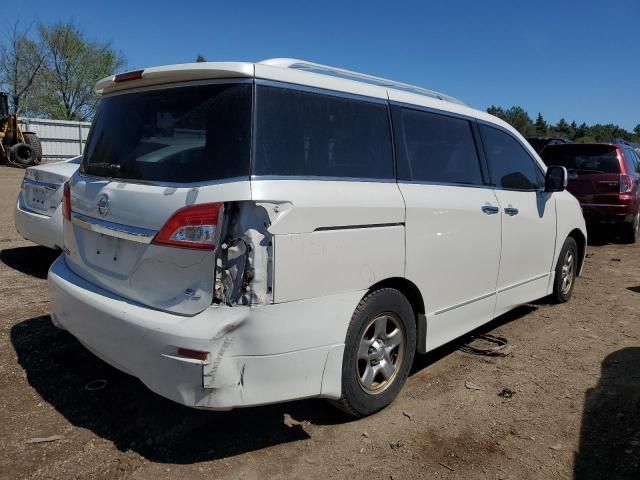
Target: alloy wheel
(380,353)
(567,271)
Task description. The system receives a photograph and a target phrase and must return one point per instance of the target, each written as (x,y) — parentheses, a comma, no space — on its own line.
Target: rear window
(583,158)
(631,161)
(182,135)
(309,134)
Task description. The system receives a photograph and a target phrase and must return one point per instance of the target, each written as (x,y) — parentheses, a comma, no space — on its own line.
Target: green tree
(21,61)
(563,128)
(541,126)
(73,64)
(517,117)
(636,130)
(496,111)
(200,59)
(573,128)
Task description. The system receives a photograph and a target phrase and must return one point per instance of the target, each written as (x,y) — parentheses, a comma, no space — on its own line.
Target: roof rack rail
(361,77)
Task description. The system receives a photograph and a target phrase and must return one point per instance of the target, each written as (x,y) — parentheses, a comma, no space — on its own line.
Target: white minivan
(241,234)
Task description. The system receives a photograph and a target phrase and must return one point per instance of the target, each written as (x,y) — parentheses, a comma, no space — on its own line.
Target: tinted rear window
(183,135)
(309,134)
(435,148)
(583,158)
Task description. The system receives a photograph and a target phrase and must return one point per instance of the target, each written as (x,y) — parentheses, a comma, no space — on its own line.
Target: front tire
(566,270)
(379,351)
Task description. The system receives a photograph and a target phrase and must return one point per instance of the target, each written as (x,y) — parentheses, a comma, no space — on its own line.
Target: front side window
(435,148)
(183,134)
(510,165)
(300,133)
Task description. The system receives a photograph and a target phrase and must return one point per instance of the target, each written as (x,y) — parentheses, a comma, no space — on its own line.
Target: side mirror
(556,179)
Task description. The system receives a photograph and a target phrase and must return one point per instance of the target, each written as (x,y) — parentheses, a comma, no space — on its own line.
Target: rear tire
(33,140)
(631,231)
(379,351)
(22,154)
(566,270)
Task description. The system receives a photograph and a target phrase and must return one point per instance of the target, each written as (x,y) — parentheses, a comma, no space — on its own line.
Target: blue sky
(577,59)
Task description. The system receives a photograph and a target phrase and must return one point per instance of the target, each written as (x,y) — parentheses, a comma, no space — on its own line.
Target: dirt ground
(575,411)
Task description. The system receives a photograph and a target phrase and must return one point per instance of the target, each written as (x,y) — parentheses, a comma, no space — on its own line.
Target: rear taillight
(194,226)
(626,183)
(66,202)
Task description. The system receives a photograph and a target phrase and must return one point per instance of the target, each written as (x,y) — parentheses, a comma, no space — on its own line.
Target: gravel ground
(575,410)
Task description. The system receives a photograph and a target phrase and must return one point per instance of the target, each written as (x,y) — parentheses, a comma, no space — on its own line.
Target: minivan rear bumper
(256,355)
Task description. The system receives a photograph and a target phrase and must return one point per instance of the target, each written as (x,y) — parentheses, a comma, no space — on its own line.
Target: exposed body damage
(245,257)
(256,353)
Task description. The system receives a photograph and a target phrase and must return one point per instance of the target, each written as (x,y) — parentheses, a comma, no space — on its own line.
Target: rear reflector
(195,354)
(66,202)
(194,226)
(126,76)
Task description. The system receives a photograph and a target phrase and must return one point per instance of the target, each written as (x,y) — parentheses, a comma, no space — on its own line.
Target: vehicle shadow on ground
(610,431)
(634,289)
(34,261)
(125,412)
(600,235)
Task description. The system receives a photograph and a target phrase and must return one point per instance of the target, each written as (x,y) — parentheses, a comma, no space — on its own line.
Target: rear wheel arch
(407,288)
(412,293)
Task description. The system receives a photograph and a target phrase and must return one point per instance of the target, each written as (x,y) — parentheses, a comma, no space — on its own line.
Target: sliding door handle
(490,209)
(511,211)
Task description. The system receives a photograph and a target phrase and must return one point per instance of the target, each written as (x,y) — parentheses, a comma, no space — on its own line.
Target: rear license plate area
(39,198)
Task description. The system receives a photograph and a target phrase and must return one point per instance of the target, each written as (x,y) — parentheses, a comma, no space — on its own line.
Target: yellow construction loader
(17,148)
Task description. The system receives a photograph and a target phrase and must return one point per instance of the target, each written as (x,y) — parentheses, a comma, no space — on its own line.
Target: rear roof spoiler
(174,74)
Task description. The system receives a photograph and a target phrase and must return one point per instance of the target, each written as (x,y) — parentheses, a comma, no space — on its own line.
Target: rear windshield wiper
(111,167)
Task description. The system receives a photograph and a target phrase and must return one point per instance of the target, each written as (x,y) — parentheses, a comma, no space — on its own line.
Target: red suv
(605,178)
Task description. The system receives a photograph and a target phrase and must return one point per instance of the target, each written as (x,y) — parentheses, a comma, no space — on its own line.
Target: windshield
(179,135)
(585,158)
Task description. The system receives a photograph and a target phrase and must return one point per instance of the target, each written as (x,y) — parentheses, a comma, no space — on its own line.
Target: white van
(240,234)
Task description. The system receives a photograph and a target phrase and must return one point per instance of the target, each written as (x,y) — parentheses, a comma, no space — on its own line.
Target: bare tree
(21,62)
(73,65)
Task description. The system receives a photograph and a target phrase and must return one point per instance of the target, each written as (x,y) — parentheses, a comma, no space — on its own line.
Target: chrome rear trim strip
(45,185)
(126,232)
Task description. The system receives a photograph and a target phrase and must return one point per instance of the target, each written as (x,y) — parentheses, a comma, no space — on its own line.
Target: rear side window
(308,134)
(583,158)
(183,135)
(510,165)
(630,160)
(435,148)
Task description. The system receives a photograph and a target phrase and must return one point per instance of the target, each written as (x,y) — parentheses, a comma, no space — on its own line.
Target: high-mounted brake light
(126,76)
(66,202)
(194,226)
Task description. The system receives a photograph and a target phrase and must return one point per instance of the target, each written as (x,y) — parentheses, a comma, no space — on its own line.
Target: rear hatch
(149,154)
(594,170)
(42,186)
